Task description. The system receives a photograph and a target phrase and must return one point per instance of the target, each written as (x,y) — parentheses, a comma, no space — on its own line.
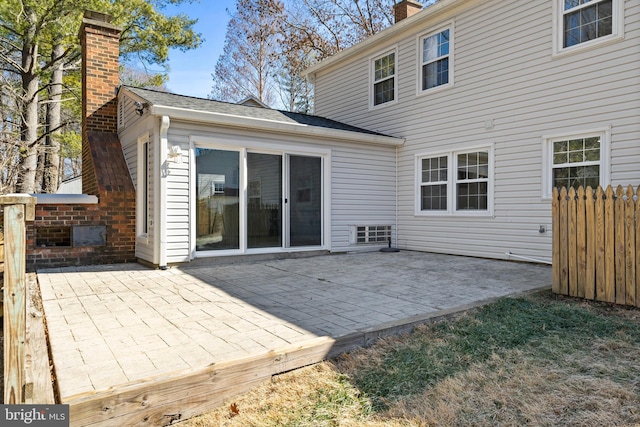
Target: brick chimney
(104,170)
(100,42)
(405,9)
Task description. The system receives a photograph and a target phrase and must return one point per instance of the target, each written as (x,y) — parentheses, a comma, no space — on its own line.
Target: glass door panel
(218,203)
(305,201)
(264,200)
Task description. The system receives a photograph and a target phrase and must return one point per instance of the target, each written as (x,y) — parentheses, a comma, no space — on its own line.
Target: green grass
(539,326)
(536,360)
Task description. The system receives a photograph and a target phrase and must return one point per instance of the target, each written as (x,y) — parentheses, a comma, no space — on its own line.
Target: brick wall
(50,241)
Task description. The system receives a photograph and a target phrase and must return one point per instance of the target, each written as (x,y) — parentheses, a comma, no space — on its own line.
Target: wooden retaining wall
(596,244)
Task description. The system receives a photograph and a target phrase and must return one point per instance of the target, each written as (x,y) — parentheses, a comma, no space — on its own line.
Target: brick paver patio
(113,324)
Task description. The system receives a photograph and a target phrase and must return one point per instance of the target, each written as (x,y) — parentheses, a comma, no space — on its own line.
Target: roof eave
(233,121)
(382,37)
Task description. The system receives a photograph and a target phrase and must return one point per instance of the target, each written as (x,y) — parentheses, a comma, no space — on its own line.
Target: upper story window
(435,60)
(384,78)
(457,182)
(585,22)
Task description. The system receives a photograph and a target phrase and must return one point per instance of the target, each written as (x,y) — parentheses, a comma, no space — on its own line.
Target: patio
(195,335)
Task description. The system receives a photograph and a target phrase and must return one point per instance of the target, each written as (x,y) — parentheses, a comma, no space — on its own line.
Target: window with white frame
(582,22)
(576,160)
(384,78)
(434,58)
(472,181)
(456,182)
(143,182)
(433,184)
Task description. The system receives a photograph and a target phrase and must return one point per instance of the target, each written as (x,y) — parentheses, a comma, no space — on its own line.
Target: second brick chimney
(405,9)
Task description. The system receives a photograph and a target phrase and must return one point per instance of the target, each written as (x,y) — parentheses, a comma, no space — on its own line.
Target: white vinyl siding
(361,183)
(510,91)
(130,140)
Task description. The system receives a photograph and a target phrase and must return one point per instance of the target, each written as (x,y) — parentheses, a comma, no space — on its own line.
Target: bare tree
(251,48)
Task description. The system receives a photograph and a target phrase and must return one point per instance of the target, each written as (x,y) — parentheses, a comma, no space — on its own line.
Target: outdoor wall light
(174,154)
(140,107)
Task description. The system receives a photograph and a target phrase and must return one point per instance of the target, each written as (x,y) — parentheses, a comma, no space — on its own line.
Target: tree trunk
(52,145)
(29,128)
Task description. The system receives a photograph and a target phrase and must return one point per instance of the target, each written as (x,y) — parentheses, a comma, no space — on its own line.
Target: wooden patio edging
(596,244)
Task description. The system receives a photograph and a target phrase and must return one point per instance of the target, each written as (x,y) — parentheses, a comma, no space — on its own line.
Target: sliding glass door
(264,200)
(248,200)
(218,199)
(305,201)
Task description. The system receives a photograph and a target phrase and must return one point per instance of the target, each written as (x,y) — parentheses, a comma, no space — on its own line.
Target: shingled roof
(163,99)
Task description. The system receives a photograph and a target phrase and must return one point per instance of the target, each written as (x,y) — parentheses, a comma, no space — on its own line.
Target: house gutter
(229,120)
(419,20)
(162,203)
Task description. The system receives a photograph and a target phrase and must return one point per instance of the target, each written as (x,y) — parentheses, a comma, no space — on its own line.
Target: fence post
(18,208)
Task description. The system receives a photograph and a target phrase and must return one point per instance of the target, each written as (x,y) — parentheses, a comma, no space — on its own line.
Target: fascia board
(384,36)
(229,120)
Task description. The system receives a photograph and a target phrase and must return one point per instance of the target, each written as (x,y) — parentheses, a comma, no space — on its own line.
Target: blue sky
(191,71)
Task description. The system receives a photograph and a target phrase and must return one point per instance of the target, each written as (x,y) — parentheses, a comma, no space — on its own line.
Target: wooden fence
(596,244)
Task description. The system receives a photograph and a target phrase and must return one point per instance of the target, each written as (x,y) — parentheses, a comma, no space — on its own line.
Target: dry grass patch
(537,360)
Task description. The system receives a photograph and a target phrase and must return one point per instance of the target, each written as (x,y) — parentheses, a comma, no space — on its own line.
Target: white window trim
(452,164)
(419,63)
(617,30)
(547,156)
(372,81)
(142,236)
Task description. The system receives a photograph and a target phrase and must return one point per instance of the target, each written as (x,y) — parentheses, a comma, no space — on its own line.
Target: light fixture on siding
(174,154)
(140,107)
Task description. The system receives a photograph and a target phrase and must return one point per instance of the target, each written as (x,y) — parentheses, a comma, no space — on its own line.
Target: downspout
(164,175)
(396,226)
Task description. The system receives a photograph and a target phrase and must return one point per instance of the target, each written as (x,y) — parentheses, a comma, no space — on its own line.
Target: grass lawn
(535,360)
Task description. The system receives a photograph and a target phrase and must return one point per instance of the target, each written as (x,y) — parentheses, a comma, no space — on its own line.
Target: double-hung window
(576,160)
(435,60)
(455,183)
(582,22)
(383,70)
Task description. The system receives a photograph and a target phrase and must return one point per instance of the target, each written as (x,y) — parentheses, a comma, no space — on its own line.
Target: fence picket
(619,206)
(581,243)
(609,249)
(573,243)
(630,248)
(564,244)
(555,235)
(638,247)
(601,293)
(590,268)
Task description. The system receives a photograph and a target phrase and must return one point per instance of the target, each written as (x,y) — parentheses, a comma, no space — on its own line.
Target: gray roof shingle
(154,97)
